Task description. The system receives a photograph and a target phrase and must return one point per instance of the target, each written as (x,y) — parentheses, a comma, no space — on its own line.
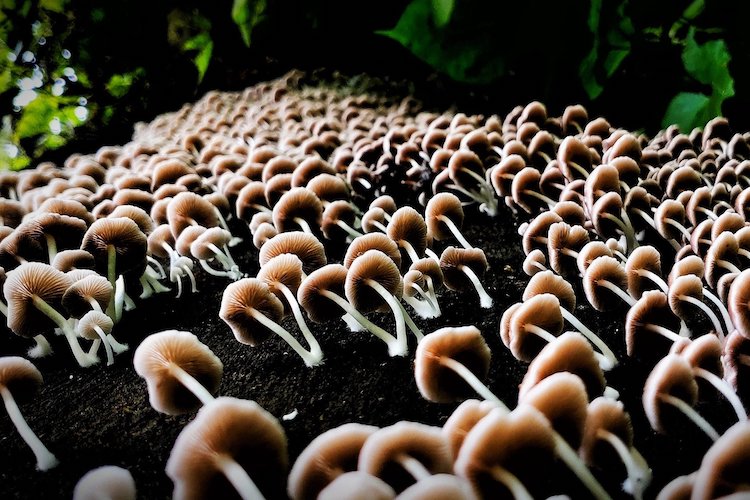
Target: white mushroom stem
(83,359)
(45,460)
(105,341)
(353,324)
(348,229)
(456,232)
(215,272)
(413,255)
(576,465)
(510,481)
(51,247)
(626,229)
(380,226)
(191,384)
(540,332)
(433,295)
(423,308)
(725,389)
(223,223)
(550,202)
(617,291)
(664,332)
(116,346)
(409,323)
(720,306)
(156,266)
(315,349)
(41,349)
(707,310)
(592,337)
(728,266)
(414,467)
(94,347)
(485,301)
(112,277)
(114,310)
(470,378)
(654,278)
(395,346)
(639,474)
(303,224)
(395,306)
(309,358)
(690,413)
(236,475)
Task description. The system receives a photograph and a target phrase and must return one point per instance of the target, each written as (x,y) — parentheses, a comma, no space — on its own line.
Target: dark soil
(92,417)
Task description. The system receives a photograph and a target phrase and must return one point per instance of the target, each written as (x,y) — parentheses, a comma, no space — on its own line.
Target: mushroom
(439,487)
(106,482)
(180,371)
(721,470)
(461,270)
(688,290)
(233,445)
(305,246)
(299,206)
(190,209)
(650,326)
(463,419)
(213,244)
(467,172)
(97,326)
(526,329)
(338,220)
(372,241)
(328,456)
(409,230)
(605,276)
(357,485)
(19,378)
(444,216)
(161,243)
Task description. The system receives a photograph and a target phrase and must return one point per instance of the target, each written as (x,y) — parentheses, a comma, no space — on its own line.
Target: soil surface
(99,416)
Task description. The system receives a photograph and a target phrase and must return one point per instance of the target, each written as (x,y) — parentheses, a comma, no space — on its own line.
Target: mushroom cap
(463,419)
(562,398)
(337,212)
(723,247)
(108,481)
(603,268)
(76,299)
(328,188)
(239,301)
(67,231)
(535,235)
(372,216)
(738,303)
(736,372)
(87,325)
(138,215)
(264,232)
(328,455)
(124,236)
(200,248)
(439,487)
(305,246)
(65,260)
(319,308)
(22,285)
(679,488)
(691,264)
(384,202)
(542,311)
(357,485)
(651,308)
(443,205)
(549,282)
(688,285)
(298,202)
(520,441)
(20,377)
(465,345)
(250,200)
(608,415)
(562,237)
(376,266)
(228,428)
(188,235)
(722,471)
(452,258)
(69,207)
(408,225)
(671,376)
(187,209)
(643,258)
(154,360)
(572,353)
(284,270)
(429,268)
(380,453)
(703,352)
(372,241)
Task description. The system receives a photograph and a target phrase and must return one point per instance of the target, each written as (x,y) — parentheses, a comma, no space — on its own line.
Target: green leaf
(614,59)
(442,11)
(6,80)
(53,5)
(205,46)
(35,117)
(709,64)
(687,110)
(246,14)
(119,84)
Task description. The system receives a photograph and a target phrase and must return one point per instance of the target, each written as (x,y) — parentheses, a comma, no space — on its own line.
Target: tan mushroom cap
(296,203)
(250,200)
(264,232)
(92,319)
(688,285)
(651,308)
(72,208)
(541,311)
(465,345)
(22,285)
(563,244)
(78,298)
(154,360)
(549,282)
(407,225)
(109,481)
(186,239)
(452,258)
(328,455)
(310,168)
(138,215)
(520,441)
(724,466)
(67,231)
(372,241)
(725,248)
(228,429)
(357,485)
(734,358)
(200,248)
(278,165)
(67,260)
(505,321)
(425,443)
(463,419)
(329,188)
(443,205)
(124,236)
(703,352)
(643,258)
(305,246)
(573,150)
(319,308)
(691,264)
(439,487)
(603,268)
(239,300)
(335,213)
(535,235)
(738,303)
(562,398)
(189,209)
(384,202)
(376,266)
(430,268)
(671,376)
(20,377)
(608,415)
(372,219)
(284,270)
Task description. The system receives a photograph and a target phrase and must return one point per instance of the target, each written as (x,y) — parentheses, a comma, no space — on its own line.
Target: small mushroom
(357,485)
(107,482)
(461,270)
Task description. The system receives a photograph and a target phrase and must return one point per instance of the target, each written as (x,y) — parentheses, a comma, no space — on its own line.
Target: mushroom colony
(339,201)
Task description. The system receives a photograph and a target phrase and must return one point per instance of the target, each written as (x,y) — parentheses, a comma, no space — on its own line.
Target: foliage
(246,14)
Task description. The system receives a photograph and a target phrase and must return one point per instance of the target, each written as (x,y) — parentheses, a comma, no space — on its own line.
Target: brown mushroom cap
(563,244)
(305,246)
(688,285)
(335,213)
(734,358)
(535,235)
(541,311)
(189,209)
(186,239)
(357,485)
(297,203)
(372,241)
(250,200)
(108,481)
(609,415)
(691,264)
(239,300)
(124,236)
(722,471)
(452,258)
(439,487)
(22,285)
(92,319)
(384,202)
(724,247)
(549,282)
(138,215)
(603,268)
(407,225)
(228,428)
(465,345)
(154,360)
(381,451)
(20,377)
(328,455)
(319,308)
(738,303)
(641,341)
(671,376)
(376,266)
(78,298)
(67,260)
(284,270)
(643,258)
(463,419)
(443,205)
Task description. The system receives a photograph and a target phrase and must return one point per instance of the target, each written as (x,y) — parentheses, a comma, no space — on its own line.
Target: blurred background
(76,74)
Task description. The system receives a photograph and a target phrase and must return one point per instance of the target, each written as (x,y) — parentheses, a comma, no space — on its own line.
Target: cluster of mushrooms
(652,229)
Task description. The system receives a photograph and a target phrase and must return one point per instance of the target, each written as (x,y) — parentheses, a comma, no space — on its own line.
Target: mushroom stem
(423,308)
(428,252)
(654,278)
(191,383)
(470,378)
(380,226)
(349,229)
(617,291)
(105,341)
(639,475)
(116,346)
(485,301)
(315,349)
(433,295)
(410,323)
(576,465)
(414,467)
(721,307)
(664,332)
(626,229)
(707,310)
(395,348)
(680,227)
(303,224)
(592,337)
(83,359)
(3,308)
(409,250)
(711,215)
(41,349)
(157,267)
(456,232)
(541,333)
(308,357)
(112,277)
(236,475)
(353,324)
(724,388)
(728,265)
(45,460)
(395,306)
(214,272)
(541,197)
(51,247)
(510,481)
(650,220)
(576,166)
(690,413)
